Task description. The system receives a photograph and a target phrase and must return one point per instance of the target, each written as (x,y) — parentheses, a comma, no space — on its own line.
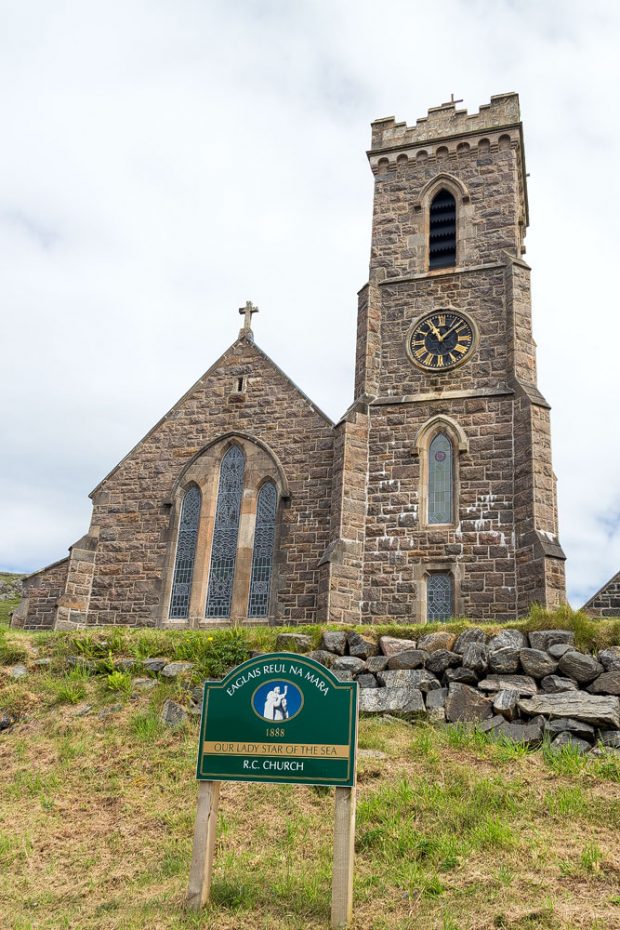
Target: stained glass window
(186,552)
(439,596)
(440,480)
(225,533)
(262,558)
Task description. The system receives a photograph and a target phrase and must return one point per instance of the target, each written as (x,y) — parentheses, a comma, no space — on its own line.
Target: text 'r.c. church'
(433,496)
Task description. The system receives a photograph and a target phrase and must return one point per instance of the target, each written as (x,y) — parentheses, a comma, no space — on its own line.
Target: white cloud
(162,162)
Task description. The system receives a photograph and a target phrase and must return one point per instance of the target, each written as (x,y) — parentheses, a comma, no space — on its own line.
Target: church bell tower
(445,498)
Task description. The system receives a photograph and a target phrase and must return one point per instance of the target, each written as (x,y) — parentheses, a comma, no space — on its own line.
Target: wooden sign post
(280,718)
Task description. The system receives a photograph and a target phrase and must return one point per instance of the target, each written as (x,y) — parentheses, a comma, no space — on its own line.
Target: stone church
(433,496)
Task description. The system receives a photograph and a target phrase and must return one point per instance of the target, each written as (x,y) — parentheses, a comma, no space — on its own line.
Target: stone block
(409,658)
(361,646)
(537,663)
(390,645)
(582,668)
(439,640)
(293,642)
(466,704)
(542,639)
(397,701)
(409,678)
(592,708)
(334,641)
(467,637)
(554,684)
(523,684)
(607,683)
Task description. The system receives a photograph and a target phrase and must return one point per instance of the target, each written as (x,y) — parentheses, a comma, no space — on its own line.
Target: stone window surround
(464,216)
(261,465)
(427,432)
(421,572)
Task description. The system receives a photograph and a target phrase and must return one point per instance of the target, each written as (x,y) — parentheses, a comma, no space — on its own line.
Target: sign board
(281,718)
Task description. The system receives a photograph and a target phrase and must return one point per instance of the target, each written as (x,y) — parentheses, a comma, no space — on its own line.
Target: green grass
(6,607)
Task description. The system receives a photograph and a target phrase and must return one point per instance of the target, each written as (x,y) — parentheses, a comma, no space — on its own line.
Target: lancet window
(262,557)
(440,480)
(186,553)
(225,534)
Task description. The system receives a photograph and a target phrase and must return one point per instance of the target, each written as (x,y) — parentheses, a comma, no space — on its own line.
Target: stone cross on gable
(247,311)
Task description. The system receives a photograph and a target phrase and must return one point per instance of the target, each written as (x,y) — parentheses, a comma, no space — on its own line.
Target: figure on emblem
(275,704)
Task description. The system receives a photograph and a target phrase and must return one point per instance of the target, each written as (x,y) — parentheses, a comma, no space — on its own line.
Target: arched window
(442,230)
(262,558)
(439,596)
(225,534)
(186,552)
(440,480)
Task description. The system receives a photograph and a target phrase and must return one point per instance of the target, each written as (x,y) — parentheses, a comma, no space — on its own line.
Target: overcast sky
(164,161)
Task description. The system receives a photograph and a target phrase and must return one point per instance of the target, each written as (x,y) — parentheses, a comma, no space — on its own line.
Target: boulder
(348,664)
(438,640)
(610,658)
(542,639)
(409,658)
(557,650)
(293,642)
(343,674)
(366,680)
(491,723)
(523,684)
(124,665)
(376,663)
(607,683)
(512,639)
(177,669)
(110,710)
(593,708)
(527,734)
(569,739)
(361,646)
(504,660)
(441,659)
(6,720)
(334,641)
(463,676)
(145,684)
(323,656)
(18,671)
(436,698)
(436,714)
(468,637)
(581,667)
(505,703)
(537,663)
(172,714)
(566,724)
(396,701)
(553,684)
(155,665)
(475,656)
(409,678)
(390,645)
(467,704)
(610,738)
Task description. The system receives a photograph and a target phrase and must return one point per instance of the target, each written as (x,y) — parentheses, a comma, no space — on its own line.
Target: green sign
(280,717)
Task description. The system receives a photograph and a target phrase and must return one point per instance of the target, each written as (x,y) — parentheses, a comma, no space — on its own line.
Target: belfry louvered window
(225,534)
(442,236)
(262,557)
(186,553)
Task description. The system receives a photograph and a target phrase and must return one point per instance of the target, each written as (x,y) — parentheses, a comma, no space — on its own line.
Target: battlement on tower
(446,121)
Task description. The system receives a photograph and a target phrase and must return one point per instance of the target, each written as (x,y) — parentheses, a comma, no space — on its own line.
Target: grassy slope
(7,606)
(454,833)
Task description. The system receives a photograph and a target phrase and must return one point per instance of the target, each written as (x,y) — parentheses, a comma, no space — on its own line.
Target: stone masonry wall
(606,602)
(37,610)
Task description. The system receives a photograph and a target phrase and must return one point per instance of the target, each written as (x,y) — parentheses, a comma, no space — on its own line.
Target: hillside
(10,594)
(454,832)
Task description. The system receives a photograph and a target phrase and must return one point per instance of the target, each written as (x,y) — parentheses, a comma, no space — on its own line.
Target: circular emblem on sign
(441,340)
(277,700)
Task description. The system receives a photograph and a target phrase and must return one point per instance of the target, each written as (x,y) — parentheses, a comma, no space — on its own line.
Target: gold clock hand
(435,330)
(451,330)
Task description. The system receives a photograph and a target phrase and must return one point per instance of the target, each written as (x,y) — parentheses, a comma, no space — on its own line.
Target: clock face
(441,340)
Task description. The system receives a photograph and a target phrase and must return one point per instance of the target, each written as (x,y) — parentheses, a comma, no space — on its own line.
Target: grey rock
(143,684)
(334,641)
(197,694)
(360,646)
(511,639)
(323,656)
(593,708)
(524,684)
(492,723)
(343,674)
(124,665)
(436,714)
(410,658)
(568,739)
(476,657)
(86,665)
(504,660)
(468,637)
(172,714)
(366,680)
(537,663)
(6,720)
(610,738)
(610,658)
(464,703)
(554,684)
(542,639)
(505,703)
(42,663)
(155,665)
(293,642)
(392,701)
(409,678)
(348,664)
(439,640)
(176,669)
(390,645)
(376,664)
(82,710)
(463,676)
(110,710)
(581,667)
(18,671)
(557,650)
(371,754)
(436,698)
(607,683)
(567,724)
(441,659)
(528,734)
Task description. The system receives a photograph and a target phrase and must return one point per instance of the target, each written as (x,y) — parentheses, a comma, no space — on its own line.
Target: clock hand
(451,330)
(435,330)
